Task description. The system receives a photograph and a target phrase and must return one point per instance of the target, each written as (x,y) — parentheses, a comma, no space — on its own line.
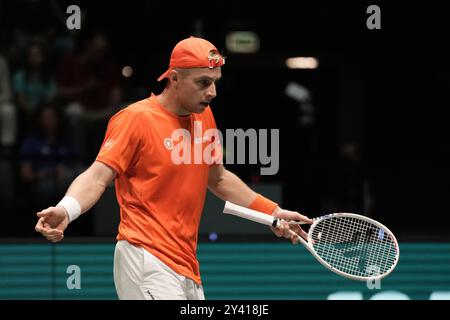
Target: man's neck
(168,100)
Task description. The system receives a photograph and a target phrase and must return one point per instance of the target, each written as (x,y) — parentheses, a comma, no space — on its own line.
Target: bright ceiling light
(127,71)
(302,63)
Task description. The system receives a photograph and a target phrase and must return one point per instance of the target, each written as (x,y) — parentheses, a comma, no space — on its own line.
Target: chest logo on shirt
(108,144)
(168,143)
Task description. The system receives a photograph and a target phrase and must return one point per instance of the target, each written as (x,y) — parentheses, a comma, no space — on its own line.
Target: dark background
(383,90)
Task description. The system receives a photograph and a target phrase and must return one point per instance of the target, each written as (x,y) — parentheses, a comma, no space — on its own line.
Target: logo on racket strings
(358,247)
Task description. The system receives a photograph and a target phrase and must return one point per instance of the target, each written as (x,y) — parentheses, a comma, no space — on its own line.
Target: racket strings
(354,246)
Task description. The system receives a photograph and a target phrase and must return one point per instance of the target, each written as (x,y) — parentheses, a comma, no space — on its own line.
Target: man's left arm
(229,187)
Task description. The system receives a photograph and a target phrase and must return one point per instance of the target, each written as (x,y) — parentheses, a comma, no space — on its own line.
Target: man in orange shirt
(160,189)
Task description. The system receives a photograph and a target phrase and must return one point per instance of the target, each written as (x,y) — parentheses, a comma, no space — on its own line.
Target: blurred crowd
(57,93)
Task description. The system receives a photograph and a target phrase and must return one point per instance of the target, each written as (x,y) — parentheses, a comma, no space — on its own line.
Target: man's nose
(211,92)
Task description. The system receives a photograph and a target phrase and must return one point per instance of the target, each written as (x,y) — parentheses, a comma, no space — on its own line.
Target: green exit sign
(242,42)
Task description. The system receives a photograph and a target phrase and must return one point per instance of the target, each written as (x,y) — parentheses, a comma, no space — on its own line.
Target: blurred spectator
(62,44)
(88,77)
(15,52)
(47,161)
(89,83)
(32,84)
(7,110)
(7,140)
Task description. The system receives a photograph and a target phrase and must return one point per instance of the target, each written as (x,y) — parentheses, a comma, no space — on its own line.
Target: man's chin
(200,109)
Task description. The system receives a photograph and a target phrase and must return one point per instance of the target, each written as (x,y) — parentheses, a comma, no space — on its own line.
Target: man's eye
(205,83)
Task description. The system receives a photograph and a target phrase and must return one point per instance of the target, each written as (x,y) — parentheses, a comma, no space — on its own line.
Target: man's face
(196,88)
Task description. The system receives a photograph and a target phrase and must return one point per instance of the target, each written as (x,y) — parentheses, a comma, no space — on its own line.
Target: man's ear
(174,76)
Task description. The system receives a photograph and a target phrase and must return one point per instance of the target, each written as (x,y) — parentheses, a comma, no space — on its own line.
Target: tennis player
(161,202)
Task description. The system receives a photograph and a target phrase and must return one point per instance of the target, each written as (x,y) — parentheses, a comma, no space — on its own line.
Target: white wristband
(72,207)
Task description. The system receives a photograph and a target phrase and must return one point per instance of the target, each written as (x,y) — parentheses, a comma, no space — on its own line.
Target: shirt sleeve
(122,141)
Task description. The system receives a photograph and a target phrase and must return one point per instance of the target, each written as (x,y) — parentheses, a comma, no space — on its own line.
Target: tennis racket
(351,245)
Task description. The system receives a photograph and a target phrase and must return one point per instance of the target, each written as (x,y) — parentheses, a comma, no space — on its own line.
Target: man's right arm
(84,191)
(89,186)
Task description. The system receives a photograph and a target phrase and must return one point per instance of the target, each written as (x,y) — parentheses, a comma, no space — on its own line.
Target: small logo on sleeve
(108,144)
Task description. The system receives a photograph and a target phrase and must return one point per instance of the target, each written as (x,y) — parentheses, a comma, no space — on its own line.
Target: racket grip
(249,214)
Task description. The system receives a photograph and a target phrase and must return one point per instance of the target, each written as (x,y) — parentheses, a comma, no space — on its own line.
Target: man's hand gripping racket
(348,244)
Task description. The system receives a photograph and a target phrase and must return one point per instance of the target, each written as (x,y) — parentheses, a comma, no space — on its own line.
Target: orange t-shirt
(161,200)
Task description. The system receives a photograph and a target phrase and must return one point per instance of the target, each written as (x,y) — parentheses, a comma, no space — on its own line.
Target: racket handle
(249,214)
(254,215)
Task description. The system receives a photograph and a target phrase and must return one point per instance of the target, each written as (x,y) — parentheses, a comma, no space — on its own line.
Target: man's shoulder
(137,108)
